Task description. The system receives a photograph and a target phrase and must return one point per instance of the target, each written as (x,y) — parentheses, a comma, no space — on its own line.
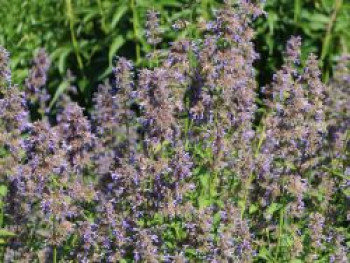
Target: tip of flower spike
(293,50)
(5,73)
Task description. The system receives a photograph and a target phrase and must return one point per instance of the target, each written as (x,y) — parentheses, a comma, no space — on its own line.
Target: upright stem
(297,10)
(280,232)
(103,19)
(251,175)
(54,239)
(327,39)
(70,16)
(55,254)
(216,153)
(3,248)
(135,27)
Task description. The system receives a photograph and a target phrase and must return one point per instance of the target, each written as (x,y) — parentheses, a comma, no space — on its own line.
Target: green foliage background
(85,35)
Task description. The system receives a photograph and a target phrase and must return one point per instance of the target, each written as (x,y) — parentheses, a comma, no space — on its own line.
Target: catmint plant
(182,159)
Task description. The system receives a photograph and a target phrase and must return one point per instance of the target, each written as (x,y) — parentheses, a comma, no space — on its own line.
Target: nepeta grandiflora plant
(175,164)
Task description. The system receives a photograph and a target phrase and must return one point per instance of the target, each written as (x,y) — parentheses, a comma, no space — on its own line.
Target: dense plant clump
(182,160)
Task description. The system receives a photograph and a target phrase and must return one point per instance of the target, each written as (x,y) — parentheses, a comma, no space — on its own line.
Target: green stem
(103,19)
(216,155)
(135,27)
(297,11)
(280,231)
(70,16)
(55,254)
(3,248)
(327,39)
(246,191)
(54,260)
(2,212)
(251,176)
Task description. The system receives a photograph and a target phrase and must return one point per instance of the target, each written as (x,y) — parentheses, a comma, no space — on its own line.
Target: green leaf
(253,208)
(325,46)
(203,202)
(217,219)
(6,233)
(318,18)
(264,254)
(63,59)
(118,15)
(273,208)
(241,204)
(61,88)
(191,252)
(204,179)
(105,73)
(286,241)
(3,190)
(271,20)
(90,15)
(116,44)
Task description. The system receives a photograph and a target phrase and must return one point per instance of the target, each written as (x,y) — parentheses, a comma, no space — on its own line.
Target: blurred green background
(85,35)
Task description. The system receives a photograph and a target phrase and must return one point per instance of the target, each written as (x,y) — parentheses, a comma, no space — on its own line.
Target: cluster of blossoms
(174,164)
(35,91)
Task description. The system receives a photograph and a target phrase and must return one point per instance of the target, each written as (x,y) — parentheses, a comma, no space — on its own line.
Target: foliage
(81,35)
(84,36)
(322,24)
